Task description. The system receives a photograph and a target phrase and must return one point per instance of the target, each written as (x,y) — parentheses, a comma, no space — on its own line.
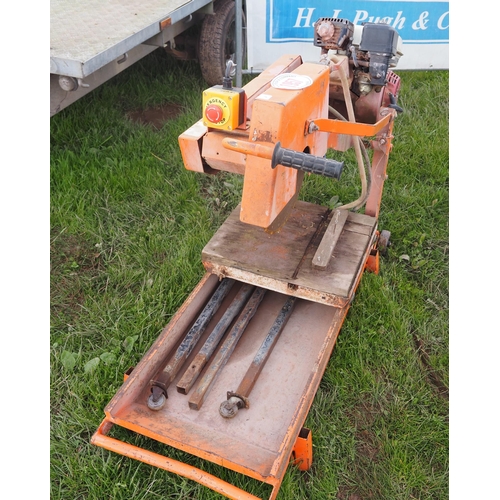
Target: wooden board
(325,249)
(283,261)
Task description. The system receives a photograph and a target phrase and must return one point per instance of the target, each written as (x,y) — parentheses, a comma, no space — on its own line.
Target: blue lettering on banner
(417,22)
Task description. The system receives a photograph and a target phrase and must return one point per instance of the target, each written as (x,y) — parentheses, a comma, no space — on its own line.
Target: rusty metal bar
(193,371)
(332,234)
(158,395)
(227,348)
(239,399)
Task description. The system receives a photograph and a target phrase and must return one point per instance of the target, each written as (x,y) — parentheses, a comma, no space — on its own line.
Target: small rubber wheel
(217,41)
(156,405)
(228,409)
(384,242)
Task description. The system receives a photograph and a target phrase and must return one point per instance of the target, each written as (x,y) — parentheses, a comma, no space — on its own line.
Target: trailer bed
(91,41)
(87,35)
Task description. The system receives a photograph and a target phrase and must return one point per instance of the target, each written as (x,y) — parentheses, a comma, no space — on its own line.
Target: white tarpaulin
(278,27)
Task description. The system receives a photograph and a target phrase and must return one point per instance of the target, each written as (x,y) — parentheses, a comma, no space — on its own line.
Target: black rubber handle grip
(306,162)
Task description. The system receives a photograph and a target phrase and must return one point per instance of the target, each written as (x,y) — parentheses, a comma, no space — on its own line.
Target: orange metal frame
(297,444)
(101,438)
(302,458)
(296,447)
(299,120)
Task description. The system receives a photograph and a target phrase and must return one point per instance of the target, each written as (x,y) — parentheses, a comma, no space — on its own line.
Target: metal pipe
(196,366)
(239,399)
(226,349)
(239,30)
(100,438)
(158,395)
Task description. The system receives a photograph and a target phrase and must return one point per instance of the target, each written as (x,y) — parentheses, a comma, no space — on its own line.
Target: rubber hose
(356,140)
(340,116)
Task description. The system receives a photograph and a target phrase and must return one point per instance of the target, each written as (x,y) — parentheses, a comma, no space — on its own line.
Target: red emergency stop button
(214,113)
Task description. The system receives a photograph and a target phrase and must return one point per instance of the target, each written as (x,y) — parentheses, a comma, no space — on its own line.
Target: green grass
(128,224)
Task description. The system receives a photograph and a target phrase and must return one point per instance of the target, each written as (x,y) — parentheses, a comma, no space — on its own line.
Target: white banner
(278,27)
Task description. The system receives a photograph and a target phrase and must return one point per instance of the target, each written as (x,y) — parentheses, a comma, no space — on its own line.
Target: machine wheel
(384,242)
(156,405)
(217,41)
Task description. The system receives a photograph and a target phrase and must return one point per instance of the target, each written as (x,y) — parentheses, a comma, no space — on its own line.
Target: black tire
(217,42)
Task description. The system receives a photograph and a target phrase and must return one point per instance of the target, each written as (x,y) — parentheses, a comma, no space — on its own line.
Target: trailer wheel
(217,41)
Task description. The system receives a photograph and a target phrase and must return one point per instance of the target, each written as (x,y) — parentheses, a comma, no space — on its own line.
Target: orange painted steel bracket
(349,128)
(373,261)
(302,451)
(382,146)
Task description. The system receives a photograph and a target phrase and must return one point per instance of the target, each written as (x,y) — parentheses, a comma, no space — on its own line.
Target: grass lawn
(127,227)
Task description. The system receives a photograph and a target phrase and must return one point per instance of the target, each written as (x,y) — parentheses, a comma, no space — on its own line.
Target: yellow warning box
(224,109)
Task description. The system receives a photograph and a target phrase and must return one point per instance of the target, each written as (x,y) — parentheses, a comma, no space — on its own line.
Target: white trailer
(93,40)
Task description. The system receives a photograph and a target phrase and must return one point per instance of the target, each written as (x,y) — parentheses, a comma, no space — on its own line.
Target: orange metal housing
(282,115)
(298,119)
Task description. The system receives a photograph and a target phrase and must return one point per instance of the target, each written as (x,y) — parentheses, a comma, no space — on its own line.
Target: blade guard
(281,115)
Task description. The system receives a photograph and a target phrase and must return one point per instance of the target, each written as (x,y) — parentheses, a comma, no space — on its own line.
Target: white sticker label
(291,81)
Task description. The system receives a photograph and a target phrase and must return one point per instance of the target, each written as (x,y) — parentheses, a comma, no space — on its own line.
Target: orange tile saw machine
(232,376)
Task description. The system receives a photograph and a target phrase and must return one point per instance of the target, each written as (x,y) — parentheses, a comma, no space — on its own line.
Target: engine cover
(380,43)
